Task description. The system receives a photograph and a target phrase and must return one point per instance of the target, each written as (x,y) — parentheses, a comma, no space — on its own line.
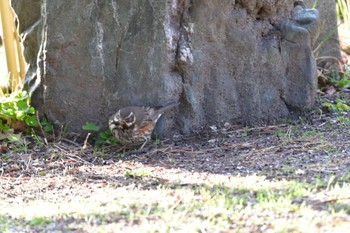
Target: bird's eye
(130,119)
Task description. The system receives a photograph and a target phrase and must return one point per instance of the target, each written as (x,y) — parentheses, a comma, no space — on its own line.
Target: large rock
(222,60)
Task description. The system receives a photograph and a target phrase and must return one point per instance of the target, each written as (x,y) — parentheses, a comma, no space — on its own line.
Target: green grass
(39,221)
(137,173)
(4,223)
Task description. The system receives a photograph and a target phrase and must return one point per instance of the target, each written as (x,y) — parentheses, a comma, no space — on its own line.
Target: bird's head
(123,119)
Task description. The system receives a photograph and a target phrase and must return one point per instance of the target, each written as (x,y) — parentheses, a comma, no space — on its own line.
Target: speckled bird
(133,126)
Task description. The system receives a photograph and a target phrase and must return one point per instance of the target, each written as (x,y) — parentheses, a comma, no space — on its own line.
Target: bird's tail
(167,106)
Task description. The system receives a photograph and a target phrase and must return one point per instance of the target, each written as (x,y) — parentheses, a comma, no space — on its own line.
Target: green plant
(156,141)
(314,5)
(89,126)
(102,137)
(16,114)
(47,126)
(105,137)
(137,173)
(4,223)
(340,80)
(311,133)
(339,106)
(39,221)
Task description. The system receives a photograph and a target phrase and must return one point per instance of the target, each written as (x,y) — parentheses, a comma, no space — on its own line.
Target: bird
(133,126)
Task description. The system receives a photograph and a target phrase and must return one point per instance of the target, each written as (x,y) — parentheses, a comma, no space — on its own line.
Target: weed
(4,223)
(341,108)
(284,135)
(339,79)
(279,133)
(105,137)
(311,133)
(157,141)
(16,112)
(46,125)
(137,173)
(39,221)
(101,138)
(17,116)
(37,139)
(89,126)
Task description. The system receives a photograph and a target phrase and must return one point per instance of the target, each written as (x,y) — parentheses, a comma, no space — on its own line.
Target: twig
(85,141)
(41,128)
(70,141)
(61,148)
(71,156)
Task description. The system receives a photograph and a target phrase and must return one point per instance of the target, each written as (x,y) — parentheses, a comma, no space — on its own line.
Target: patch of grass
(311,133)
(137,173)
(339,106)
(342,110)
(4,223)
(39,221)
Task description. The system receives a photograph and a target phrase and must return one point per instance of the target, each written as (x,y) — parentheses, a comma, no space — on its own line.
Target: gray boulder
(224,61)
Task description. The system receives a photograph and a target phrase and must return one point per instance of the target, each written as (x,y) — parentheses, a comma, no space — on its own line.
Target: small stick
(41,128)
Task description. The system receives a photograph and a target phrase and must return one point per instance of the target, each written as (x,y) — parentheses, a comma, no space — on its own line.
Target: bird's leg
(146,140)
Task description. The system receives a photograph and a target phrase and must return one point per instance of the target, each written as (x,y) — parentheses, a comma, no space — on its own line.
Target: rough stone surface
(224,61)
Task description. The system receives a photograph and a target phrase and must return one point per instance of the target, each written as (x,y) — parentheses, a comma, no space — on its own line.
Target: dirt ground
(309,148)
